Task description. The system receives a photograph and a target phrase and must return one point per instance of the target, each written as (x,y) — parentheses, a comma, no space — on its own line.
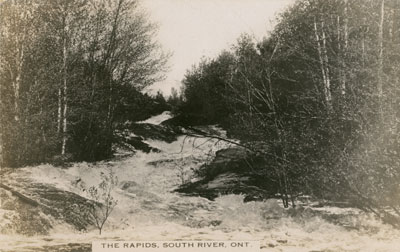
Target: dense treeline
(69,72)
(319,99)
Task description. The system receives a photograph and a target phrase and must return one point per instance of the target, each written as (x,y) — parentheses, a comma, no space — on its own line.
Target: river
(148,209)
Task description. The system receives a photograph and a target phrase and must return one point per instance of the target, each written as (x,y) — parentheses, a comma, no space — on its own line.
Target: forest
(71,73)
(290,138)
(318,100)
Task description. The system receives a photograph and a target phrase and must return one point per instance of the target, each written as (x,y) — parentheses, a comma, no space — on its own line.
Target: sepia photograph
(199,125)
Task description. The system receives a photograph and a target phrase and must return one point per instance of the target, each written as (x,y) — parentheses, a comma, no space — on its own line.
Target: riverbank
(149,208)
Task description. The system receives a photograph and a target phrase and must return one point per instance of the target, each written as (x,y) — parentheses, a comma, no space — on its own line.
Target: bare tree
(103,203)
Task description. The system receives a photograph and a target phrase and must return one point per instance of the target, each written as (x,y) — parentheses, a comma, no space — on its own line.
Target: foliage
(70,72)
(174,100)
(318,98)
(204,88)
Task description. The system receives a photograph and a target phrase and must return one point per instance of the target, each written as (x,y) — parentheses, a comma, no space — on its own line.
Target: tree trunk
(65,90)
(20,43)
(326,61)
(343,78)
(323,59)
(363,42)
(338,33)
(17,82)
(346,25)
(108,62)
(16,86)
(391,24)
(20,195)
(59,114)
(1,147)
(380,47)
(1,131)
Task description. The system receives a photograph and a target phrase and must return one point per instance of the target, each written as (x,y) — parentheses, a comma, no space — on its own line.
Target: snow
(148,209)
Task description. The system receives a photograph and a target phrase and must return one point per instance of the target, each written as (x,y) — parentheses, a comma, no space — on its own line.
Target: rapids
(148,209)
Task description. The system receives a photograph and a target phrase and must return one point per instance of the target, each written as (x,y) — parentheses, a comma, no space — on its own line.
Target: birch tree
(343,52)
(380,46)
(323,61)
(15,42)
(17,33)
(63,66)
(330,52)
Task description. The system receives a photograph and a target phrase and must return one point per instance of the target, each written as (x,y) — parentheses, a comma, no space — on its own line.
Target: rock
(21,197)
(21,217)
(231,159)
(162,132)
(61,205)
(225,180)
(125,185)
(226,183)
(162,162)
(233,171)
(138,144)
(75,247)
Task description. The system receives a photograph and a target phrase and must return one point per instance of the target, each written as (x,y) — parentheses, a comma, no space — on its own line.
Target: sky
(191,29)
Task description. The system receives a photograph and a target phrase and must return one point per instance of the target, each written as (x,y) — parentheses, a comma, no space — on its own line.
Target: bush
(102,202)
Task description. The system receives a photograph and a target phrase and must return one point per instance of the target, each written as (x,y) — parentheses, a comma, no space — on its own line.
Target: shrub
(102,201)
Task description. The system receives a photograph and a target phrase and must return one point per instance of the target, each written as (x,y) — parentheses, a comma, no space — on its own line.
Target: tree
(103,203)
(322,127)
(174,100)
(121,55)
(205,89)
(75,59)
(16,36)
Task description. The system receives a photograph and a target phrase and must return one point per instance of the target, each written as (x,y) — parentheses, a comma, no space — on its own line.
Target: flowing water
(148,209)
